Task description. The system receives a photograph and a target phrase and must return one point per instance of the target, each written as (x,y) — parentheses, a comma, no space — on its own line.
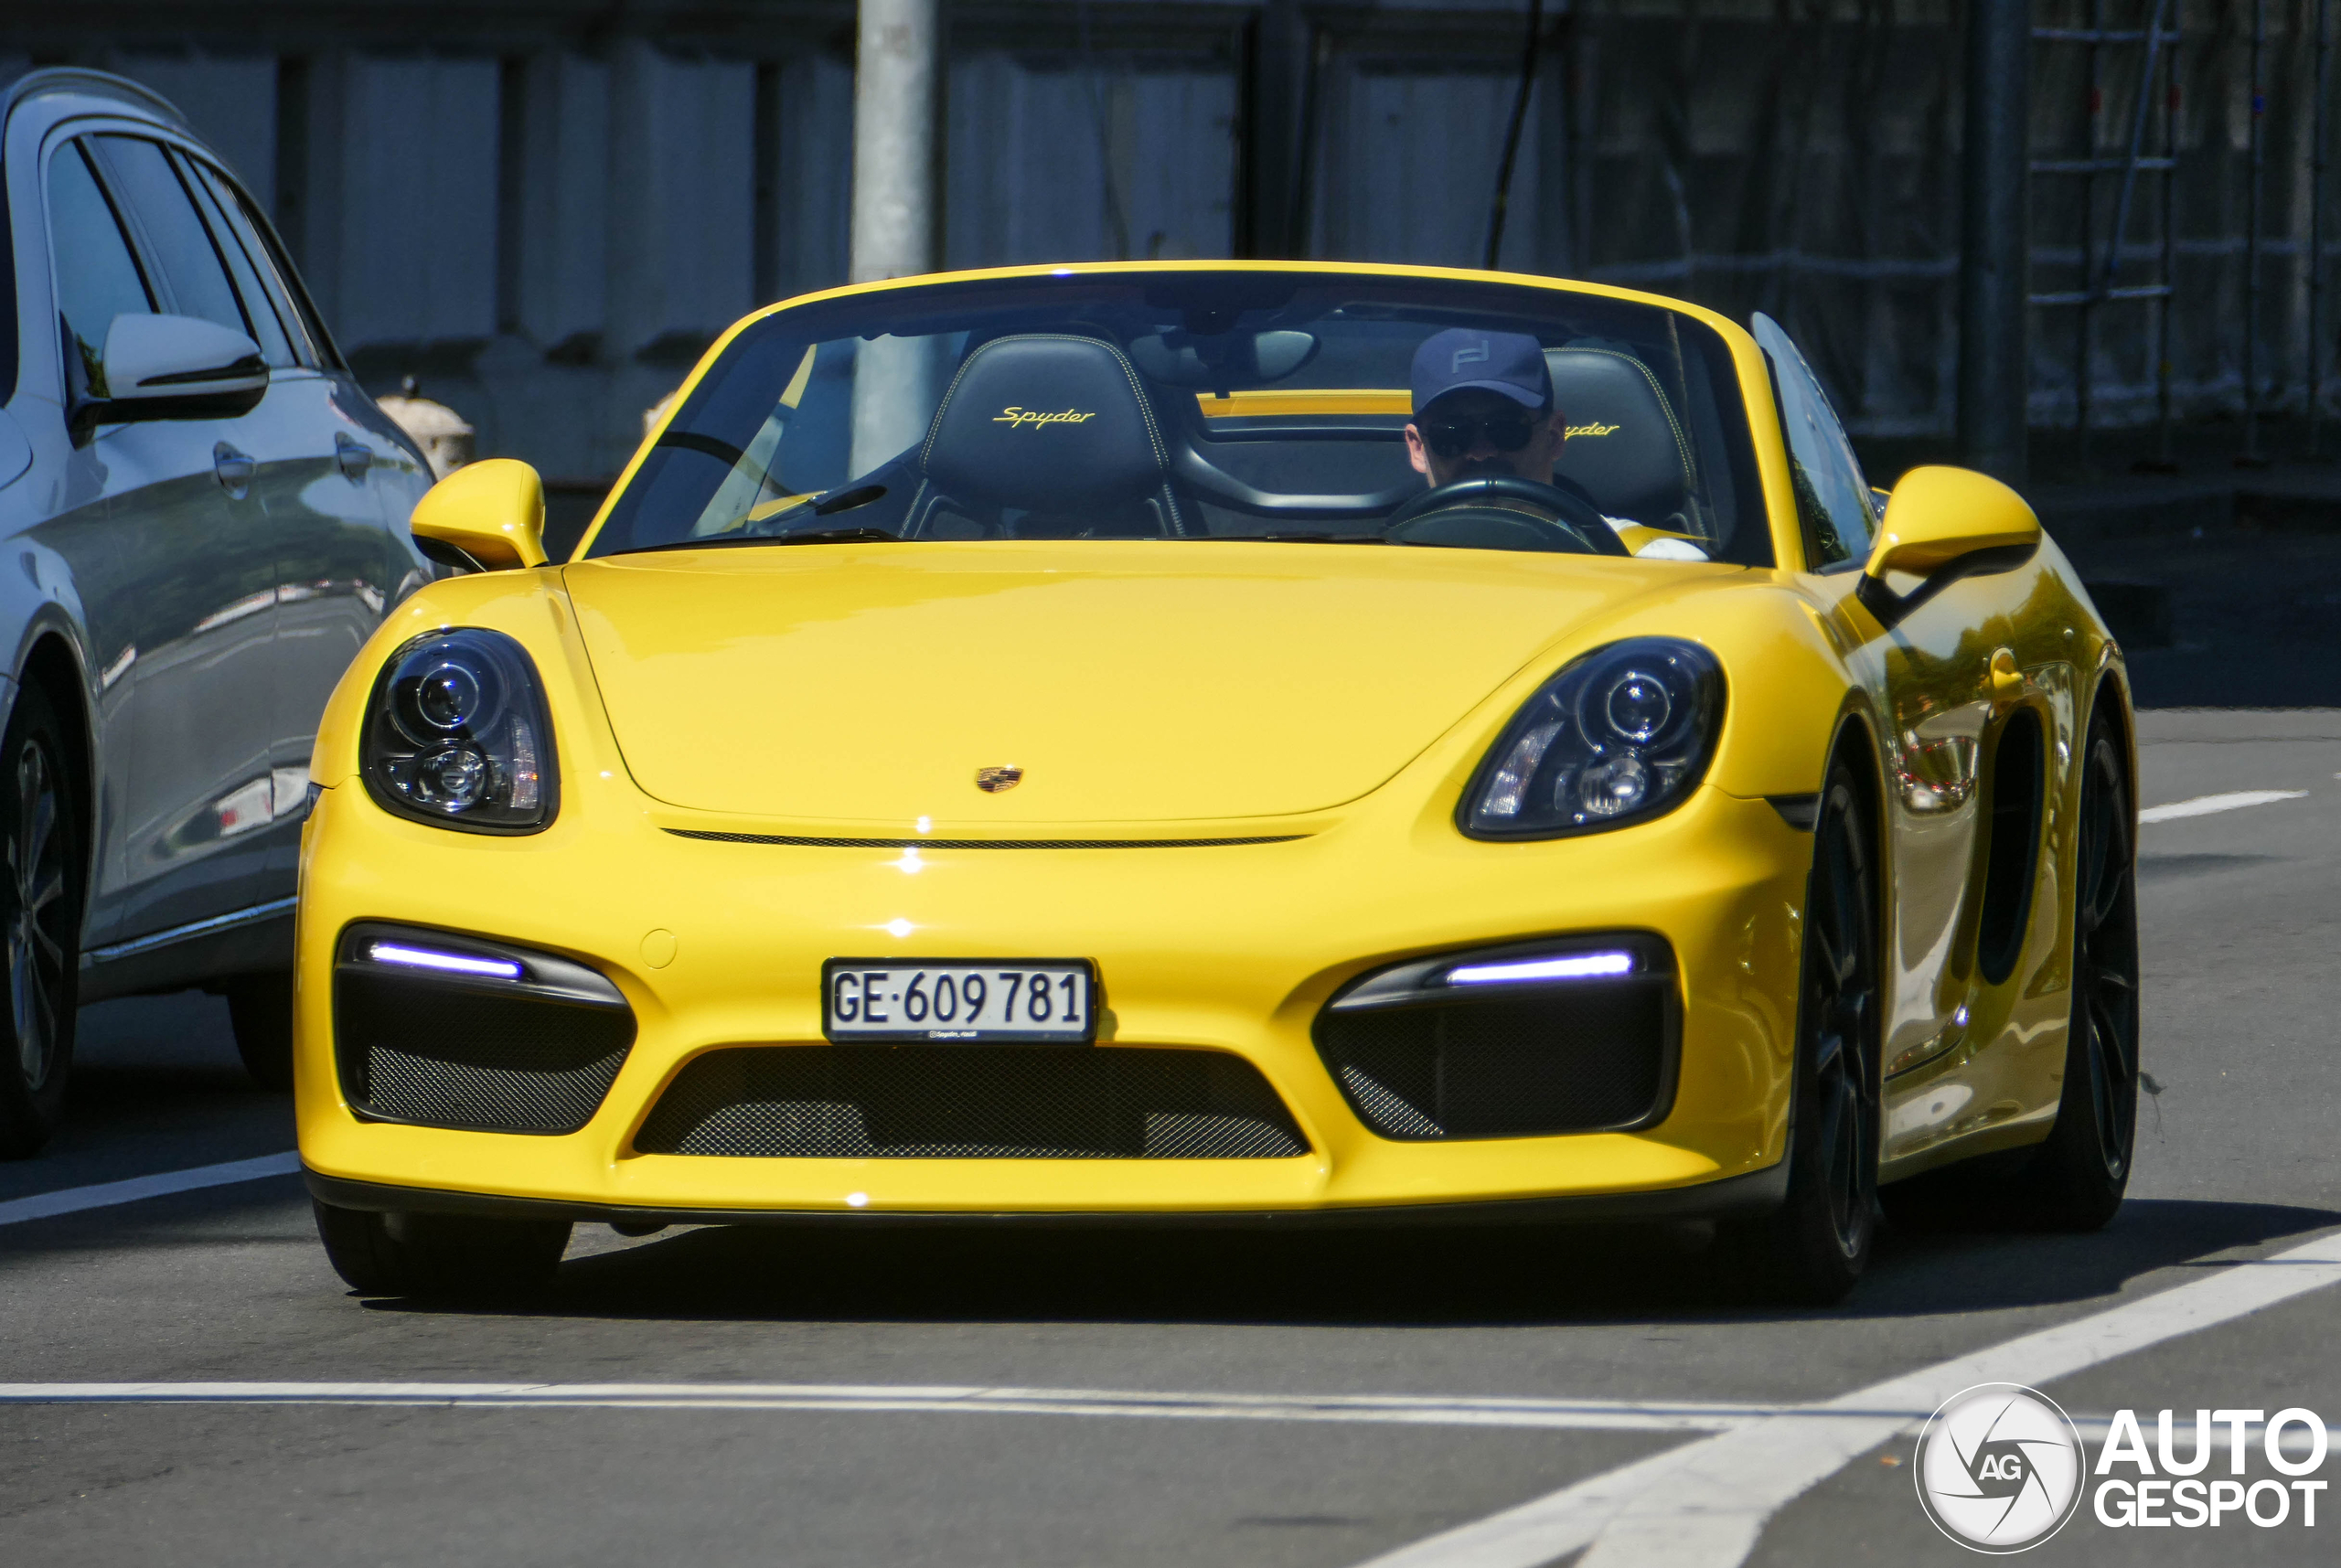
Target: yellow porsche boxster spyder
(1236,742)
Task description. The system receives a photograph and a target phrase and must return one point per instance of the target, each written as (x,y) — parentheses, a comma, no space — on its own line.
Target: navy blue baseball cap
(1512,363)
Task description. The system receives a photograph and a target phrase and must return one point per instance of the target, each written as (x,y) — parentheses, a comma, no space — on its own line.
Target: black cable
(1512,136)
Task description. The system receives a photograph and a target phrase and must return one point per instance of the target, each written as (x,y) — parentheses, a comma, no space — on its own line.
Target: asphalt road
(1321,1399)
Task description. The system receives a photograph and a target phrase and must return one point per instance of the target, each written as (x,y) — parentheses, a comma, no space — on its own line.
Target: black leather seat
(1625,446)
(1044,435)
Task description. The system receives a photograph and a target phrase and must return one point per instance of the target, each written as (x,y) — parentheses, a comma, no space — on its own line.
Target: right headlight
(1621,735)
(456,735)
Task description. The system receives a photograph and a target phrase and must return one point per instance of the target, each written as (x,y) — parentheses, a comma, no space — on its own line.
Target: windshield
(1169,405)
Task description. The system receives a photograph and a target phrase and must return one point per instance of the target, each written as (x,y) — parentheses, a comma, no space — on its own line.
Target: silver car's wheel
(40,917)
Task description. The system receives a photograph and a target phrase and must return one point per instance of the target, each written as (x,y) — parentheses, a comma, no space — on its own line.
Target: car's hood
(1130,681)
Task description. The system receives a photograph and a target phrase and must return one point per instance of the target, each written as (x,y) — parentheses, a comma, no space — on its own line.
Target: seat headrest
(1045,421)
(1624,447)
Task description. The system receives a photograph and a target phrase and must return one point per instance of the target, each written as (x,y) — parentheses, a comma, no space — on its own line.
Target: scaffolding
(2100,269)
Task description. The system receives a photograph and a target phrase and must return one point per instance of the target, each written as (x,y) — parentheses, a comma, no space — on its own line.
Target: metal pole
(894,140)
(1274,112)
(2251,237)
(2091,138)
(2163,459)
(2319,88)
(894,102)
(1995,228)
(1497,208)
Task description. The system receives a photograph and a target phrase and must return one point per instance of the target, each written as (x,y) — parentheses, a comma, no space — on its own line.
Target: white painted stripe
(2205,805)
(1406,1410)
(1704,1504)
(73,1200)
(1605,1415)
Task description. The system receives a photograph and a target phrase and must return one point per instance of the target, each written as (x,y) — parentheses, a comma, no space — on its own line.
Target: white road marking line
(2205,805)
(1406,1410)
(104,1194)
(1574,1415)
(1704,1504)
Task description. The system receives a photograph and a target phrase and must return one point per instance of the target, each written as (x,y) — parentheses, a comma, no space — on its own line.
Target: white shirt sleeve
(1660,549)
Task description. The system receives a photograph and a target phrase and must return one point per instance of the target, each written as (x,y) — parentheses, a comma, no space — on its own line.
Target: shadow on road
(1409,1277)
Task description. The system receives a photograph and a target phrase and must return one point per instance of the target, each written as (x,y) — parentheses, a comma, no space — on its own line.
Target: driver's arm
(1655,544)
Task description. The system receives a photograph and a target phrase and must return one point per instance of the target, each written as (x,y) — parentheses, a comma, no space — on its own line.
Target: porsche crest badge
(991,781)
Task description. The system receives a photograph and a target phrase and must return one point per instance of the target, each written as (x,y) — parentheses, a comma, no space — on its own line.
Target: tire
(1815,1246)
(261,1009)
(2075,1181)
(40,923)
(442,1256)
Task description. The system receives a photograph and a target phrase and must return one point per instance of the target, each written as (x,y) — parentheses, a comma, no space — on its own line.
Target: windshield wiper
(835,536)
(1314,538)
(810,535)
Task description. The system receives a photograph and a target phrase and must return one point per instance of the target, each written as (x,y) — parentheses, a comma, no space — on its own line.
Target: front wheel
(448,1256)
(40,923)
(1815,1246)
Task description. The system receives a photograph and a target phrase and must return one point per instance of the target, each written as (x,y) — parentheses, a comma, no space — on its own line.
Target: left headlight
(1622,734)
(456,735)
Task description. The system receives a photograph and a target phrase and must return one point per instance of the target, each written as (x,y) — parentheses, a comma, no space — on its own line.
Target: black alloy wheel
(444,1257)
(2076,1180)
(40,916)
(1815,1246)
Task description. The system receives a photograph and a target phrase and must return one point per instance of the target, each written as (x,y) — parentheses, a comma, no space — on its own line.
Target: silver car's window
(1208,404)
(273,271)
(178,247)
(97,277)
(1832,499)
(267,328)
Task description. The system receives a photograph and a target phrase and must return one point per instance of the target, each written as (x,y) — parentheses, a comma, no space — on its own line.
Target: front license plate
(1037,1001)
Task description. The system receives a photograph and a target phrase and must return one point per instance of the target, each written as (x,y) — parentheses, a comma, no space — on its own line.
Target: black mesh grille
(448,1054)
(970,1103)
(1596,1055)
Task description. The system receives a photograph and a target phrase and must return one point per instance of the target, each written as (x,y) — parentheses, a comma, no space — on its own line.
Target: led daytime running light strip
(452,963)
(1576,967)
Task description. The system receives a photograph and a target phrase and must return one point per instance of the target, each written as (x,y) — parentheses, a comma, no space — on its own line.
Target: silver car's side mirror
(176,366)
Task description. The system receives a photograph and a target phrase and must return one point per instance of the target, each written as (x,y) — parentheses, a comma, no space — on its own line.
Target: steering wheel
(1471,514)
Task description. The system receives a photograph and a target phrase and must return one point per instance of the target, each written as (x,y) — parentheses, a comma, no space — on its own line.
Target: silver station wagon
(201,517)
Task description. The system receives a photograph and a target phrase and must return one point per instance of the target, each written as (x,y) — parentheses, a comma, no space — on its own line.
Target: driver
(1483,408)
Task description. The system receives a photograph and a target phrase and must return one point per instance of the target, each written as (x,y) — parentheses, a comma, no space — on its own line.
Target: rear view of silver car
(201,517)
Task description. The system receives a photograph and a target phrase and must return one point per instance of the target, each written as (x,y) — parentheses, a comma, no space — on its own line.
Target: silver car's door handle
(355,457)
(235,470)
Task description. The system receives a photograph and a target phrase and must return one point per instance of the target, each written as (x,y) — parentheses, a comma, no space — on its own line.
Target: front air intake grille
(534,1052)
(831,1102)
(1588,1054)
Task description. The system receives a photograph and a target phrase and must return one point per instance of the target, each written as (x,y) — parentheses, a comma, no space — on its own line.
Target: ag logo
(2000,1467)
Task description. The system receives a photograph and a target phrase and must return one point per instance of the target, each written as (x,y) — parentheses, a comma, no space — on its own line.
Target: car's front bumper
(1232,949)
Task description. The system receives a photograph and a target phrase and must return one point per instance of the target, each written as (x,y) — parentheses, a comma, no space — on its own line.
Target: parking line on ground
(2205,805)
(1704,1504)
(105,1194)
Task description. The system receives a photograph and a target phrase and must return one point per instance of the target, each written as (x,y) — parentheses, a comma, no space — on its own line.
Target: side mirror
(485,517)
(1942,524)
(176,366)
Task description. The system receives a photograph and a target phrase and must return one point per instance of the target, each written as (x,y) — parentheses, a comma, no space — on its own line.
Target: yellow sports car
(1261,743)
